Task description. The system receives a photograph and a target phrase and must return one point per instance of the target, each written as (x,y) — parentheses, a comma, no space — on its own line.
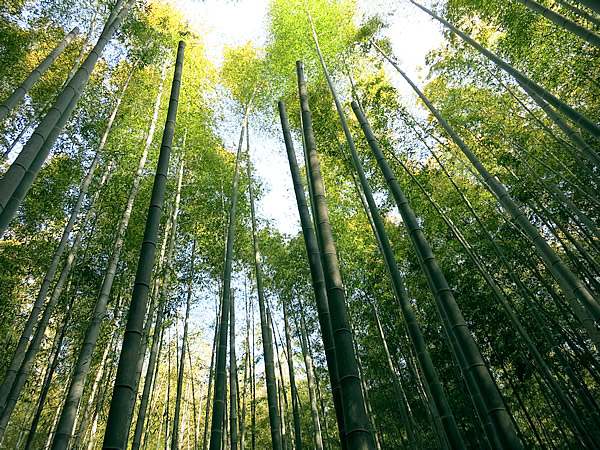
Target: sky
(234,23)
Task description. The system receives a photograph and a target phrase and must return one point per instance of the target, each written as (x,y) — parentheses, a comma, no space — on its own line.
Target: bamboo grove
(441,287)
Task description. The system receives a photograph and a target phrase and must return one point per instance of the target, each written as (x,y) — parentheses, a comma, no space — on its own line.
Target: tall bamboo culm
(570,113)
(502,429)
(117,425)
(52,268)
(575,291)
(275,415)
(441,403)
(316,271)
(20,92)
(63,106)
(356,422)
(218,407)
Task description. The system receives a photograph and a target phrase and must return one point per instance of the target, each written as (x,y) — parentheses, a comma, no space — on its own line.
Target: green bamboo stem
(356,422)
(20,92)
(475,365)
(573,288)
(562,107)
(119,416)
(316,270)
(558,19)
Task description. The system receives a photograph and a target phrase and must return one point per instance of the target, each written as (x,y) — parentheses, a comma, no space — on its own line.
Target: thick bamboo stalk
(591,4)
(317,277)
(117,426)
(575,291)
(29,357)
(475,365)
(64,105)
(558,19)
(562,107)
(416,336)
(51,368)
(35,75)
(499,294)
(356,422)
(76,387)
(43,292)
(580,12)
(152,366)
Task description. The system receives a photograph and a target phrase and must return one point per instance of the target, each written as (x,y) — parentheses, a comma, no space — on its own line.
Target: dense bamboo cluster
(442,287)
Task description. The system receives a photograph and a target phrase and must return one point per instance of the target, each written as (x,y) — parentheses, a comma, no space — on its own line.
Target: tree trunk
(537,357)
(441,403)
(152,368)
(211,375)
(100,373)
(573,136)
(579,12)
(52,364)
(282,396)
(118,422)
(402,406)
(30,354)
(246,367)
